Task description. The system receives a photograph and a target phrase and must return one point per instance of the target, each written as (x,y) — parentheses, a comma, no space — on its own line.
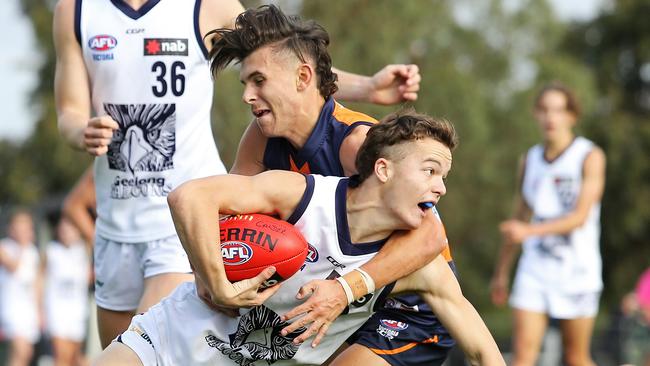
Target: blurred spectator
(66,294)
(635,332)
(20,289)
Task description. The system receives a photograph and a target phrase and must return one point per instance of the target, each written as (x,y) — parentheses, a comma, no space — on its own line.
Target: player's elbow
(180,198)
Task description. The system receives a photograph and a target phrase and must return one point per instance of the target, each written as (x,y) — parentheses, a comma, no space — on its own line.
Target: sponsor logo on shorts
(390,329)
(165,47)
(235,253)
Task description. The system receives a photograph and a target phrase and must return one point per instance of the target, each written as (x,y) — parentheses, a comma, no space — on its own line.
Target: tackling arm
(438,286)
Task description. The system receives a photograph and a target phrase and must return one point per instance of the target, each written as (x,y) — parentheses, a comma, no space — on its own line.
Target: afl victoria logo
(235,253)
(394,324)
(102,42)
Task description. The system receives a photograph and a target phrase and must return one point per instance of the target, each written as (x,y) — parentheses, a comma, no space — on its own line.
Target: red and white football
(250,243)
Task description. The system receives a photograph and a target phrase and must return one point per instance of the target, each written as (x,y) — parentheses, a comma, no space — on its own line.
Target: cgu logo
(235,253)
(394,324)
(102,42)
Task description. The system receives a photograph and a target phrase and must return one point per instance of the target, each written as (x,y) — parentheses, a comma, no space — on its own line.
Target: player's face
(270,89)
(417,179)
(66,232)
(553,116)
(21,229)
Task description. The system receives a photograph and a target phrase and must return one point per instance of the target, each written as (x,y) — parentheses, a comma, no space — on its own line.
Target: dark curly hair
(266,25)
(397,128)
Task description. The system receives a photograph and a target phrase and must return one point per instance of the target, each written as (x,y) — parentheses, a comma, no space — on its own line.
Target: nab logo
(102,42)
(235,253)
(165,47)
(394,324)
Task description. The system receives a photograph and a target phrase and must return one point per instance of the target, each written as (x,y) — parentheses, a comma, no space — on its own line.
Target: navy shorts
(401,341)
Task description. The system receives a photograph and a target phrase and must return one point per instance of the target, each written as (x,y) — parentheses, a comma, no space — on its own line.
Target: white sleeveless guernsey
(148,70)
(569,263)
(66,286)
(182,330)
(18,303)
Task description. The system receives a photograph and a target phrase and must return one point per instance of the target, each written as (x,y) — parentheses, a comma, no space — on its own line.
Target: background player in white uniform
(401,167)
(20,288)
(144,63)
(559,273)
(67,273)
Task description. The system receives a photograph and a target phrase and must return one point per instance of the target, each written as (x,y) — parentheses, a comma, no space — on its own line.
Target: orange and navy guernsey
(320,155)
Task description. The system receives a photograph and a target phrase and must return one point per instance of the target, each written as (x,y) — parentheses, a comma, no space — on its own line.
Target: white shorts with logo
(120,269)
(533,295)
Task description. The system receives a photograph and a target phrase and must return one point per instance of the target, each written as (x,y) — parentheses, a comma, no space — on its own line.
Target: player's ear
(382,170)
(304,76)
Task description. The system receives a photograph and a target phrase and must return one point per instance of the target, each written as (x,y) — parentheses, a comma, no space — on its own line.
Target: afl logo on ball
(102,42)
(235,253)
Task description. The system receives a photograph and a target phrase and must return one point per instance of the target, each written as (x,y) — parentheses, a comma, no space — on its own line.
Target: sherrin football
(250,243)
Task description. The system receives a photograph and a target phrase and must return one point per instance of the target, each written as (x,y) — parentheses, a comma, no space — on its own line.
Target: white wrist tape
(370,283)
(347,289)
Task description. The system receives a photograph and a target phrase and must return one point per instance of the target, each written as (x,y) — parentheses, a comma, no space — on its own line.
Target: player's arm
(438,286)
(591,191)
(391,85)
(216,14)
(10,264)
(79,204)
(196,206)
(508,251)
(250,153)
(72,90)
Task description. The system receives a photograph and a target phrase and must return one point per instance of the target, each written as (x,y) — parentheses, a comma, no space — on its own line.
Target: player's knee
(577,359)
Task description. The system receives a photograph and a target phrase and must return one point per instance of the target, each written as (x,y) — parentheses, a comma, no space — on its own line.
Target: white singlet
(148,70)
(182,330)
(18,306)
(66,290)
(568,263)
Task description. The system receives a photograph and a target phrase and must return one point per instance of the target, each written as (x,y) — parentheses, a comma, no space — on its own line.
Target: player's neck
(363,206)
(556,146)
(304,122)
(135,4)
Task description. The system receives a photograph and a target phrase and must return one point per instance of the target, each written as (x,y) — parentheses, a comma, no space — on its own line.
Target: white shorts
(120,269)
(529,294)
(20,321)
(67,322)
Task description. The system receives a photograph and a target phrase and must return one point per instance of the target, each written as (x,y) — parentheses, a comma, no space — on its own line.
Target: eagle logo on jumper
(142,147)
(258,338)
(146,139)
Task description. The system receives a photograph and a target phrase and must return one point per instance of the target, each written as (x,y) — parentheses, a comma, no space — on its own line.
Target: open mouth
(261,112)
(426,205)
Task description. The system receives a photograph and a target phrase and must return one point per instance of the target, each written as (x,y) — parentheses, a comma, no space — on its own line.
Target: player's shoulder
(218,14)
(64,7)
(348,116)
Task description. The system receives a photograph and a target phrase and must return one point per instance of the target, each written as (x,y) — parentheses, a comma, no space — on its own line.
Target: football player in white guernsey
(133,89)
(557,221)
(20,289)
(401,165)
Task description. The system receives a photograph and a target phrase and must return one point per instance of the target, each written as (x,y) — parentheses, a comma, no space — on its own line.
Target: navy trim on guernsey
(134,14)
(345,242)
(304,201)
(197,29)
(77,21)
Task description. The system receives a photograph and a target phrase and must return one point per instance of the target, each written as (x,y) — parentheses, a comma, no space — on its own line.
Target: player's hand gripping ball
(250,243)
